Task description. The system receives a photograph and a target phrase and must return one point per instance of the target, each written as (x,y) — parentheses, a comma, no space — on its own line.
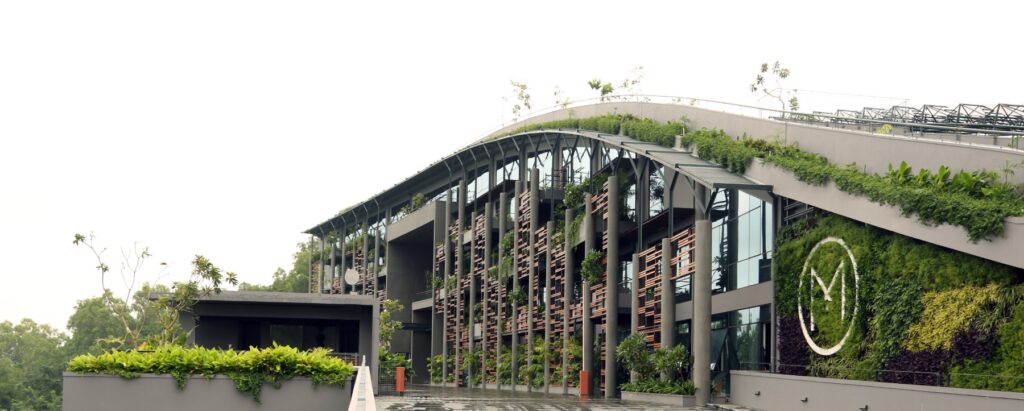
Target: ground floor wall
(773,392)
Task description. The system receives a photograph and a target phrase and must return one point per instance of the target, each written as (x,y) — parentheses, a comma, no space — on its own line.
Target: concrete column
(634,303)
(472,290)
(328,277)
(567,291)
(341,271)
(447,292)
(668,299)
(321,263)
(459,272)
(547,310)
(589,241)
(366,253)
(515,286)
(376,266)
(611,301)
(532,279)
(488,217)
(702,300)
(309,268)
(502,223)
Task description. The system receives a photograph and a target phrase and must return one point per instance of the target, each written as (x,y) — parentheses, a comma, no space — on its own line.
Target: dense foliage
(646,365)
(248,369)
(977,201)
(926,315)
(643,129)
(592,267)
(31,361)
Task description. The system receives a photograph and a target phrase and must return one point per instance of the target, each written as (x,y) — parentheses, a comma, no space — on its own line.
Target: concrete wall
(158,393)
(786,392)
(1005,250)
(840,146)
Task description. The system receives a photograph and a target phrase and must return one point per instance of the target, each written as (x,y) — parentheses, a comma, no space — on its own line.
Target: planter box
(93,392)
(667,399)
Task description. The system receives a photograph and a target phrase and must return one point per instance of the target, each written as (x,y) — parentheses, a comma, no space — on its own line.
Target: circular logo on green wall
(827,296)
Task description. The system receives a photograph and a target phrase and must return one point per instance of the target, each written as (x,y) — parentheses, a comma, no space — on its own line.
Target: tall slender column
(567,291)
(668,303)
(366,254)
(588,323)
(488,217)
(459,271)
(447,292)
(341,270)
(309,269)
(514,316)
(634,303)
(532,279)
(547,310)
(611,301)
(321,263)
(328,277)
(471,274)
(376,264)
(502,223)
(702,299)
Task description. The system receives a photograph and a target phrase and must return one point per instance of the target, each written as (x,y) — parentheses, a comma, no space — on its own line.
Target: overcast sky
(226,128)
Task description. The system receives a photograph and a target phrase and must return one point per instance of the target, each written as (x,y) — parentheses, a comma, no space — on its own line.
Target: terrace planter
(96,392)
(667,399)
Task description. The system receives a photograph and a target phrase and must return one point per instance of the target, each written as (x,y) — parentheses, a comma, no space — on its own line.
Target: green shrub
(635,355)
(592,267)
(642,129)
(675,387)
(949,312)
(248,369)
(675,360)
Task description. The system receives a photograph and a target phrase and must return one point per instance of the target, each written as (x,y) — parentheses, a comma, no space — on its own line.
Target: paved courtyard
(420,397)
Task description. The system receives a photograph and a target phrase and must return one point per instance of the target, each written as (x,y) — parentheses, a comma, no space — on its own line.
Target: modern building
(570,229)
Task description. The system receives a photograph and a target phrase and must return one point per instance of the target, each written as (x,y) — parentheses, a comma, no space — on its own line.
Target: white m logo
(814,280)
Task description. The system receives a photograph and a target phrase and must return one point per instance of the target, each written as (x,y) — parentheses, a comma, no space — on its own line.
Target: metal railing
(764,113)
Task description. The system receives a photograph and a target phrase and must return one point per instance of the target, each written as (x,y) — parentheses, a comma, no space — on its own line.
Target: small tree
(388,325)
(634,354)
(777,74)
(521,95)
(204,280)
(604,89)
(671,362)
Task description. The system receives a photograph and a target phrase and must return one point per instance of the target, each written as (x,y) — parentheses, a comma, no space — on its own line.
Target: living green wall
(923,314)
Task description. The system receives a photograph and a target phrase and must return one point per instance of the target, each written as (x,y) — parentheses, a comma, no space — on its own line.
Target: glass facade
(741,238)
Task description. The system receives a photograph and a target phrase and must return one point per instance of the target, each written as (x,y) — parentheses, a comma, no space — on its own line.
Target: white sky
(225,128)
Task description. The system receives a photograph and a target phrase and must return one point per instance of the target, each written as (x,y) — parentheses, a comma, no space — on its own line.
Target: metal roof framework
(694,171)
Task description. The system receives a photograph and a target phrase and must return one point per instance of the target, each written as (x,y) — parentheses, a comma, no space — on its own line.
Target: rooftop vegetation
(248,369)
(978,201)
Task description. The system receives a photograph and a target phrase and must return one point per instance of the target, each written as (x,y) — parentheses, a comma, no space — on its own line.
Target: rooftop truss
(977,117)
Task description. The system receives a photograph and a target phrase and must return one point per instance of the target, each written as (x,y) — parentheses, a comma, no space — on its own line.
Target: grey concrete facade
(776,392)
(88,392)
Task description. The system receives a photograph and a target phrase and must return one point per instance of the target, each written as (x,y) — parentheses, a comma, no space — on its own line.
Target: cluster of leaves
(388,325)
(634,354)
(715,145)
(248,369)
(674,387)
(415,203)
(435,366)
(949,312)
(642,129)
(471,367)
(592,267)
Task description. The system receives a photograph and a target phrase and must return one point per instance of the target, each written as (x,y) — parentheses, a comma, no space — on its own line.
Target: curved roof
(697,171)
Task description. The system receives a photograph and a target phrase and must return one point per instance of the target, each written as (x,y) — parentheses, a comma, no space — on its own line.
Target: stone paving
(428,398)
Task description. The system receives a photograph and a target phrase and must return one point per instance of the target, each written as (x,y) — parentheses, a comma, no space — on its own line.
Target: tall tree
(32,355)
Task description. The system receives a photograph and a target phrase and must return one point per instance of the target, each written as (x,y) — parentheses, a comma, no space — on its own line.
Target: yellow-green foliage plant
(248,369)
(945,314)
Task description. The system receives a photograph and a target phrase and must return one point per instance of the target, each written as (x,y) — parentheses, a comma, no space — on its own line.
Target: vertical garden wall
(858,302)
